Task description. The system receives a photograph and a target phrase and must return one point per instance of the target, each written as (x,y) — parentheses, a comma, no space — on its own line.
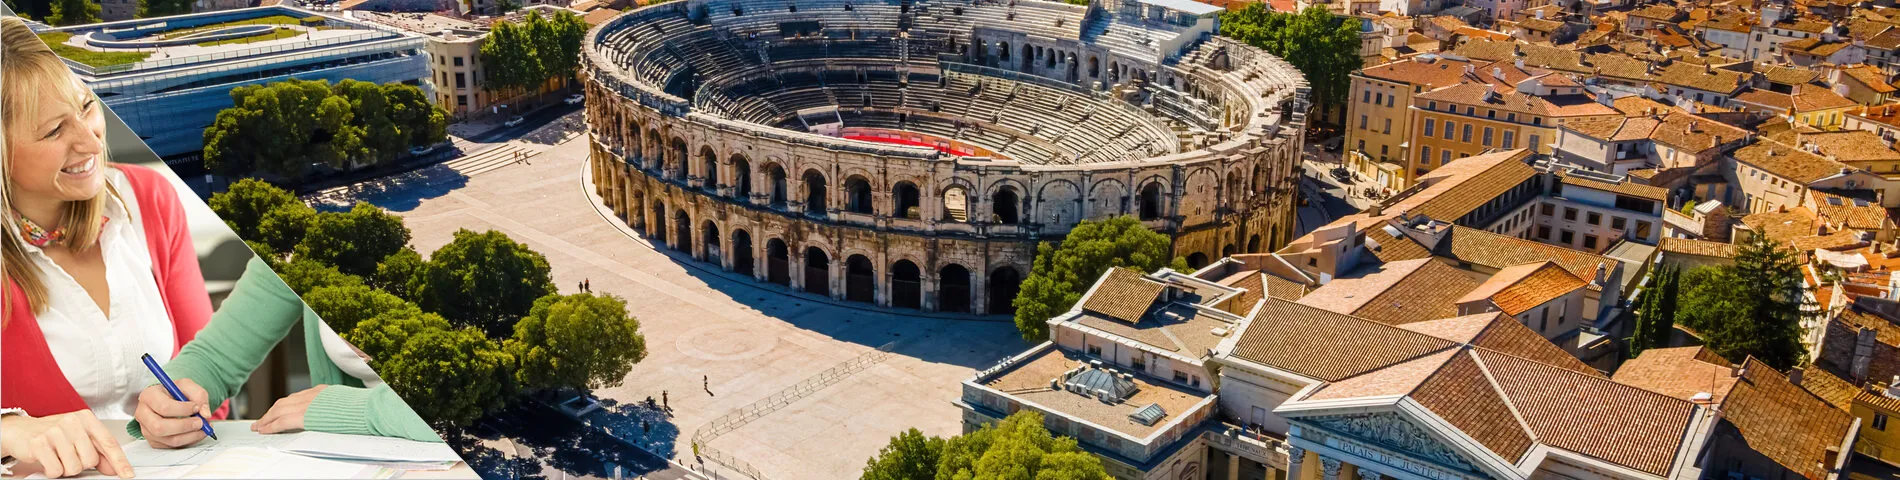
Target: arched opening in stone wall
(953,289)
(904,201)
(677,159)
(906,285)
(742,252)
(656,231)
(655,154)
(815,193)
(857,195)
(1253,243)
(778,268)
(1002,51)
(1028,59)
(741,178)
(684,229)
(1227,251)
(1003,284)
(860,280)
(1095,67)
(637,215)
(956,205)
(1197,260)
(817,271)
(710,162)
(1005,206)
(709,234)
(779,189)
(1151,201)
(1273,237)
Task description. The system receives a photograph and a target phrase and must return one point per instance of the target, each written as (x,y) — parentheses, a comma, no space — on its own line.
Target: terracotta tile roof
(1474,32)
(1842,212)
(1417,71)
(1732,22)
(1124,295)
(1429,292)
(1779,101)
(1637,105)
(1281,335)
(1620,188)
(1850,145)
(1809,98)
(1870,76)
(1787,162)
(1397,379)
(1836,391)
(1600,128)
(1252,286)
(1686,131)
(600,16)
(1832,241)
(1518,288)
(1696,247)
(1567,410)
(1498,251)
(1657,12)
(1784,74)
(1500,172)
(1540,25)
(1888,39)
(1784,423)
(1782,226)
(1626,68)
(1283,289)
(1392,249)
(1504,334)
(1460,393)
(1678,372)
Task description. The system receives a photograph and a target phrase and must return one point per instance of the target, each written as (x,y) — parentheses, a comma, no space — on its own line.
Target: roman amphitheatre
(912,153)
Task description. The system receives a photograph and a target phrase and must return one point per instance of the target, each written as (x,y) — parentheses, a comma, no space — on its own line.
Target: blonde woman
(99,269)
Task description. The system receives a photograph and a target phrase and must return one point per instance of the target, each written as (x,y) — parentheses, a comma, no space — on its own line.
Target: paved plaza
(746,341)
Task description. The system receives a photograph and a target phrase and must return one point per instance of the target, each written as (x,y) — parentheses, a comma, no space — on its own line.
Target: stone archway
(904,199)
(741,178)
(860,280)
(1197,260)
(857,195)
(742,252)
(815,202)
(1151,202)
(906,285)
(683,228)
(1253,243)
(656,231)
(709,162)
(817,271)
(1001,288)
(778,262)
(709,234)
(953,289)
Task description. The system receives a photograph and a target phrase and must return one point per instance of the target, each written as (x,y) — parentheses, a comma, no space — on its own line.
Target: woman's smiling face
(58,151)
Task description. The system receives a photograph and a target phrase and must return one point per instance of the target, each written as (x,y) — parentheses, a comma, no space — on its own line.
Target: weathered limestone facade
(876,223)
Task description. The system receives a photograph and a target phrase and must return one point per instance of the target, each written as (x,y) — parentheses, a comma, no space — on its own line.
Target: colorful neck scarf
(38,236)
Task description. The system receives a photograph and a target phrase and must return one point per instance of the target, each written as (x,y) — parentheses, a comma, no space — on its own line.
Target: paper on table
(366,448)
(254,462)
(142,454)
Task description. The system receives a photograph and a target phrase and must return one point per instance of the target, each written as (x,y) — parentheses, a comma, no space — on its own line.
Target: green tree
(163,8)
(245,203)
(73,12)
(558,41)
(579,341)
(1062,272)
(450,377)
(485,280)
(1751,308)
(355,241)
(509,60)
(1323,46)
(1656,318)
(382,336)
(909,456)
(383,138)
(426,123)
(304,275)
(344,306)
(394,273)
(1017,447)
(282,129)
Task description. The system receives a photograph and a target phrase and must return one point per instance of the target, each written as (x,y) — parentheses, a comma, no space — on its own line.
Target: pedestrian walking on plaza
(646,428)
(706,382)
(587,284)
(663,403)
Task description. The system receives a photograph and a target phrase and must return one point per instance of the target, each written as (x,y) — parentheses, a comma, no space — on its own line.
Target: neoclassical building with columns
(913,153)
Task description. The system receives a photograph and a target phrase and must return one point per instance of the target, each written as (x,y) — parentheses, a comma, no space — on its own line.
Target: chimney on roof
(1470,69)
(1497,72)
(1520,64)
(1692,126)
(1794,375)
(1603,273)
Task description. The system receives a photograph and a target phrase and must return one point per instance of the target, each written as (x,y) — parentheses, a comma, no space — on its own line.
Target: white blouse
(99,354)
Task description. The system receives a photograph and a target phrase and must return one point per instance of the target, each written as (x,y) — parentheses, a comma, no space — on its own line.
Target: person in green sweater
(348,396)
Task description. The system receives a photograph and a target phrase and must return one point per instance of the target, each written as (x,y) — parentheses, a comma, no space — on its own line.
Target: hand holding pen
(173,414)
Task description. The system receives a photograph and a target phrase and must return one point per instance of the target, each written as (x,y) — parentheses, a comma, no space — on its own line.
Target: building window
(1642,229)
(1431,105)
(1880,422)
(461,100)
(1511,117)
(1590,242)
(1444,157)
(1450,128)
(458,61)
(1095,351)
(1565,236)
(1138,363)
(1425,155)
(1543,232)
(1180,377)
(1388,126)
(1549,209)
(1487,136)
(1570,214)
(1467,134)
(1365,96)
(1490,114)
(1362,122)
(1594,218)
(1428,126)
(1533,144)
(461,80)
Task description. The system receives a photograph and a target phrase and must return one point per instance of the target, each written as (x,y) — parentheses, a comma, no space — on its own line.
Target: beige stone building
(1379,113)
(921,170)
(455,62)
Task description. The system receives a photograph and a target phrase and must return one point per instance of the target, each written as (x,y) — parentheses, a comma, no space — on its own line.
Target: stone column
(1329,468)
(1294,457)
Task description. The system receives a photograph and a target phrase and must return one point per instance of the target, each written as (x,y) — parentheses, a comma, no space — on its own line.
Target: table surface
(460,470)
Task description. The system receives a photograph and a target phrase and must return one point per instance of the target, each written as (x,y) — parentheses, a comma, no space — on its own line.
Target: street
(1323,198)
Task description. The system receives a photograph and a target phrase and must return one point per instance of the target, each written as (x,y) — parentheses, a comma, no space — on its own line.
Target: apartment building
(1380,108)
(1508,108)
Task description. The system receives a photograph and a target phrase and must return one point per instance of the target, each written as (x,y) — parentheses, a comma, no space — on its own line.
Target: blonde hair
(27,67)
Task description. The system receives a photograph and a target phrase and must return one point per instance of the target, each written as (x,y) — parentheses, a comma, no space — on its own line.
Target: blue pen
(172,388)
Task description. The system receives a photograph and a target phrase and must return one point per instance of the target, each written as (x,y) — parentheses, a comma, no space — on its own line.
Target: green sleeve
(257,315)
(366,411)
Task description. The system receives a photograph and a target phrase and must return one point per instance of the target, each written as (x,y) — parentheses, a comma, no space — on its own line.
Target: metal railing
(703,437)
(212,57)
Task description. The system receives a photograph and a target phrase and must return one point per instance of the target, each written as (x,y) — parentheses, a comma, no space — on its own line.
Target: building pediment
(1389,440)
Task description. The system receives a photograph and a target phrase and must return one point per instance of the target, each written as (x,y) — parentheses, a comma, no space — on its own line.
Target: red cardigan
(30,379)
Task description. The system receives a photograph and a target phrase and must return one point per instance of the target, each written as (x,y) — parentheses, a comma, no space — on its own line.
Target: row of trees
(458,334)
(282,129)
(79,12)
(1325,47)
(520,57)
(1016,447)
(1064,271)
(1750,308)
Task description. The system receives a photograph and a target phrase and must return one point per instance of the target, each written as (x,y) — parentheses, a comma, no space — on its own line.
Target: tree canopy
(581,341)
(1753,307)
(73,12)
(523,55)
(163,8)
(1064,271)
(484,280)
(1016,447)
(1323,46)
(345,306)
(284,128)
(450,377)
(355,241)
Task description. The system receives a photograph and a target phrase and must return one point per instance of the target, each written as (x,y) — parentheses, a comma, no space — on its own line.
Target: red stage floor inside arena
(900,141)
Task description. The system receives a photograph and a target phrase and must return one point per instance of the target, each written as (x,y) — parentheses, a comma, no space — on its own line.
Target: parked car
(515,120)
(421,150)
(575,99)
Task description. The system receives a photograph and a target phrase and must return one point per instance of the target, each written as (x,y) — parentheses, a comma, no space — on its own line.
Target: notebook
(261,463)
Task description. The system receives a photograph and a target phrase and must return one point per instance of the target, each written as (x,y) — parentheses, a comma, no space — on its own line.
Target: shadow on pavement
(563,443)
